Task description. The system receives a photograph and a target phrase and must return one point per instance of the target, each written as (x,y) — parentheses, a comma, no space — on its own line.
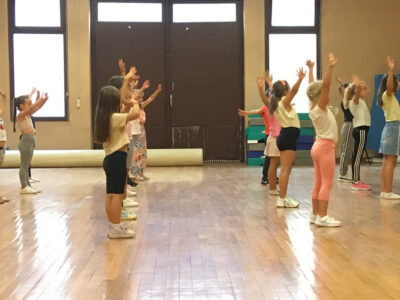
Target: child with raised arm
(361,122)
(264,95)
(281,106)
(390,139)
(110,130)
(323,150)
(346,137)
(3,135)
(27,141)
(140,154)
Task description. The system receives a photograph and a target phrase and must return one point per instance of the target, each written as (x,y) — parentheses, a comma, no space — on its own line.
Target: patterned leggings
(139,157)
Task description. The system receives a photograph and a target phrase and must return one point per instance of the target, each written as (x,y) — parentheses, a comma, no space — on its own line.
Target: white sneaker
(145,177)
(273,192)
(390,196)
(38,190)
(138,178)
(130,193)
(327,221)
(28,190)
(33,180)
(120,231)
(312,218)
(287,202)
(128,202)
(131,188)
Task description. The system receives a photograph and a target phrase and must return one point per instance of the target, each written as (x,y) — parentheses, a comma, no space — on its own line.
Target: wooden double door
(199,64)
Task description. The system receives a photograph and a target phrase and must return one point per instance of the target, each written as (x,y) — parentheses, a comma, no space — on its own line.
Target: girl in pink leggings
(323,150)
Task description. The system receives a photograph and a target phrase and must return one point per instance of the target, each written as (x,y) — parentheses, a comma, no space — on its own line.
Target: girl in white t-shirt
(3,135)
(323,150)
(390,139)
(282,108)
(361,122)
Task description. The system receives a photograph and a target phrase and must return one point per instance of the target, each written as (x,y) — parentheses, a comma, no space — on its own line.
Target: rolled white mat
(94,158)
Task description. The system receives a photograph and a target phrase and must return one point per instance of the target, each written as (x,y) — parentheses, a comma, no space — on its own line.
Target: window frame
(269,29)
(62,29)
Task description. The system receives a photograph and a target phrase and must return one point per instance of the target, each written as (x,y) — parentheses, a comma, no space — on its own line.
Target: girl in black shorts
(281,107)
(110,130)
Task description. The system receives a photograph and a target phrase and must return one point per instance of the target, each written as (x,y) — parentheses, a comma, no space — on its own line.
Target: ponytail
(16,103)
(279,89)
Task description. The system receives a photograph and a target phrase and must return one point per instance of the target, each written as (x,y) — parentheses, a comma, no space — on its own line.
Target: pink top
(265,115)
(142,117)
(275,128)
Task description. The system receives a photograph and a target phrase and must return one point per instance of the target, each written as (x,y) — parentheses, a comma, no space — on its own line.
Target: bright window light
(288,52)
(196,13)
(293,13)
(129,12)
(36,65)
(37,13)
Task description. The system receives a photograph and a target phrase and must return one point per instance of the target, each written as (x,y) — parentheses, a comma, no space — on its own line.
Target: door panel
(207,80)
(141,45)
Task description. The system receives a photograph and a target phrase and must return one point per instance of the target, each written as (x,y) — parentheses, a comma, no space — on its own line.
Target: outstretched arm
(357,83)
(243,113)
(326,82)
(288,99)
(261,92)
(40,101)
(145,86)
(310,66)
(121,65)
(153,96)
(389,84)
(341,87)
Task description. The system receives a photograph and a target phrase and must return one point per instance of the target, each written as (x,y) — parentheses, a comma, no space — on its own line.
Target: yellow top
(391,108)
(286,118)
(118,135)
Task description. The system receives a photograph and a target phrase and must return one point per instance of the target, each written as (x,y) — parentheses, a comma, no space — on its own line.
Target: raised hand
(390,62)
(339,80)
(121,65)
(310,64)
(146,85)
(332,60)
(45,96)
(159,87)
(356,80)
(37,95)
(260,82)
(268,78)
(301,73)
(241,113)
(132,74)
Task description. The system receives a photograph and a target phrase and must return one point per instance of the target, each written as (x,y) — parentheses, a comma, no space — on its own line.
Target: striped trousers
(347,147)
(360,138)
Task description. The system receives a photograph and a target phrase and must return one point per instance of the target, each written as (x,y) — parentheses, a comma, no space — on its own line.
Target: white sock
(115,226)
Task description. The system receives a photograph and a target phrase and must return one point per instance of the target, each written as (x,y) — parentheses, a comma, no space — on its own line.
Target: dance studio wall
(360,33)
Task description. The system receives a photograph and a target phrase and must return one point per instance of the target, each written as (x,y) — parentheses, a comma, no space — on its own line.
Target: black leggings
(266,163)
(360,138)
(116,174)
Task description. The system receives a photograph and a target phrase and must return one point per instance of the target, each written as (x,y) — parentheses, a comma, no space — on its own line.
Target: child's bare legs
(113,207)
(388,165)
(287,159)
(272,170)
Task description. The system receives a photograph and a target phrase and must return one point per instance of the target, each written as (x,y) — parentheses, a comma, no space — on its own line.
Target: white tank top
(25,123)
(360,113)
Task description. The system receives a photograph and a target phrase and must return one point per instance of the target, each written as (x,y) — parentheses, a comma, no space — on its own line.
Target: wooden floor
(202,233)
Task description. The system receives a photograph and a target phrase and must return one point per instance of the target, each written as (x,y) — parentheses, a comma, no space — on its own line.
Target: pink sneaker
(360,186)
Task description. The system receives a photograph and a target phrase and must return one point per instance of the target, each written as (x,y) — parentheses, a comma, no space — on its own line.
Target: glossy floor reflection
(202,233)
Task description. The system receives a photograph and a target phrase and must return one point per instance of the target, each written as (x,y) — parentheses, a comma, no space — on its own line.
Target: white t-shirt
(360,113)
(324,123)
(3,135)
(286,118)
(133,128)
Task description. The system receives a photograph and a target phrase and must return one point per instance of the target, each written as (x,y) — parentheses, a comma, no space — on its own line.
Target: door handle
(170,100)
